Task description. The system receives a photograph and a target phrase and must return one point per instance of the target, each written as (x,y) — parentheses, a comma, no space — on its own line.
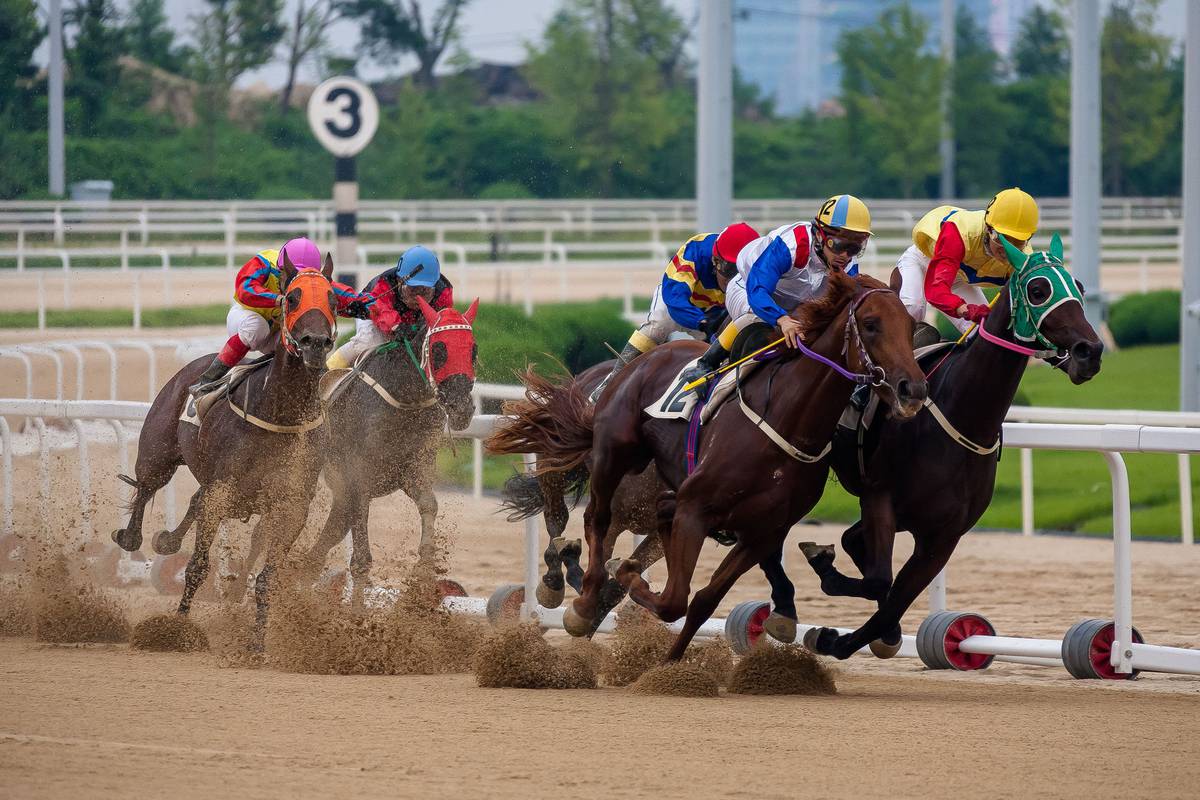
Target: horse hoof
(820,640)
(547,597)
(568,549)
(615,566)
(574,624)
(812,550)
(780,628)
(882,649)
(166,543)
(127,540)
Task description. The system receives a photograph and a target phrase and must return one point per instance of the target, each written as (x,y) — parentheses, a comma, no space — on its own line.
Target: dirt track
(109,722)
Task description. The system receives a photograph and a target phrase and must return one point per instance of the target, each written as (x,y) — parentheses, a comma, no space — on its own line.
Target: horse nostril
(902,389)
(1086,351)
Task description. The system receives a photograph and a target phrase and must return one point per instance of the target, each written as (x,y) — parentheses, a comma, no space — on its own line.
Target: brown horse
(258,451)
(395,407)
(754,478)
(921,478)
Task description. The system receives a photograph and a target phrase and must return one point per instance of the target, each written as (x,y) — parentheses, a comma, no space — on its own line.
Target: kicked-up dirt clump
(786,669)
(230,632)
(680,679)
(641,642)
(168,633)
(68,612)
(519,657)
(16,616)
(310,631)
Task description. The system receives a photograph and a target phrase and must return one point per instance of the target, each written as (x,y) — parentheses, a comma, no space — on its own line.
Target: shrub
(1151,318)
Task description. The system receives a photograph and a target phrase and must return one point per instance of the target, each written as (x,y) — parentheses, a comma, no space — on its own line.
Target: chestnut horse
(392,414)
(258,451)
(934,478)
(757,473)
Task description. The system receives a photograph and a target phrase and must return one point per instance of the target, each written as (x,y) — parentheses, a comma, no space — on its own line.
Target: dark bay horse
(921,477)
(258,451)
(391,416)
(759,471)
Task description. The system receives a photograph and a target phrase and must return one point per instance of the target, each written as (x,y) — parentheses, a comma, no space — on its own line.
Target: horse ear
(896,280)
(469,316)
(1056,247)
(327,270)
(287,269)
(1015,256)
(427,311)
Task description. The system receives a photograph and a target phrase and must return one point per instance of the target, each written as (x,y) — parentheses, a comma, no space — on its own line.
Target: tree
(149,39)
(890,90)
(980,110)
(1137,115)
(307,34)
(94,71)
(392,28)
(21,34)
(1042,47)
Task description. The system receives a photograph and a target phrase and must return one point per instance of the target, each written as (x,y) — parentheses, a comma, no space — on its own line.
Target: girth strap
(953,433)
(303,427)
(774,436)
(392,401)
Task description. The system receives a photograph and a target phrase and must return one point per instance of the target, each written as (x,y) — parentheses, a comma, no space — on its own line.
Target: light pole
(1085,154)
(55,73)
(1189,333)
(947,142)
(714,116)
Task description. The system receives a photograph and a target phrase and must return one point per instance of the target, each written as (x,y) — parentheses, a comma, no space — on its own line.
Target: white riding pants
(253,329)
(913,265)
(366,336)
(660,325)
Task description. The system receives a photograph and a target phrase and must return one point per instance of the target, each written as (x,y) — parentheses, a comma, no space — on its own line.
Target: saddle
(673,404)
(198,405)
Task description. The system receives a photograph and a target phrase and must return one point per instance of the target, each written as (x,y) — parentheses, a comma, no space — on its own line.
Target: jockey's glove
(976,312)
(358,309)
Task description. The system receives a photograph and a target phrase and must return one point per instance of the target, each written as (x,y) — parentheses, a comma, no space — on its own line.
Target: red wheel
(744,625)
(1087,648)
(941,633)
(447,587)
(505,603)
(168,573)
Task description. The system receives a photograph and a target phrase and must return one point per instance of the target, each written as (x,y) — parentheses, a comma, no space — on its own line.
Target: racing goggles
(849,247)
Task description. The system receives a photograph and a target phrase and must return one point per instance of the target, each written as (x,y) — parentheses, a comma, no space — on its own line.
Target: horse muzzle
(908,396)
(454,395)
(314,349)
(1083,361)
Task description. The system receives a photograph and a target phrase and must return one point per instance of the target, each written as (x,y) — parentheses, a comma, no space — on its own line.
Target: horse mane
(816,315)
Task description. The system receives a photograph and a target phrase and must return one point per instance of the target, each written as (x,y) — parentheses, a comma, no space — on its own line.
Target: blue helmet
(419,256)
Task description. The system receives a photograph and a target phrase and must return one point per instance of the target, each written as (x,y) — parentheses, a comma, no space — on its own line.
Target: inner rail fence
(1125,652)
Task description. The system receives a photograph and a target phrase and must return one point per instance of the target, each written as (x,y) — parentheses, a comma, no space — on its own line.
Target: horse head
(308,311)
(448,358)
(1046,308)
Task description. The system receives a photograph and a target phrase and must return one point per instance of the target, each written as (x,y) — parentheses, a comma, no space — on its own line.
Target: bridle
(427,346)
(290,343)
(875,375)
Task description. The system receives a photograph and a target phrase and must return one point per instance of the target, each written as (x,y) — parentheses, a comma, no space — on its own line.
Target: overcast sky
(495,30)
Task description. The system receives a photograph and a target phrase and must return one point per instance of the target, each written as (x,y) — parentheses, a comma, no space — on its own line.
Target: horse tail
(554,422)
(522,497)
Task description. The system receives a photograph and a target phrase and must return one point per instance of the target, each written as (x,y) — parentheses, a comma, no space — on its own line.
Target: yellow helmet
(1013,213)
(845,212)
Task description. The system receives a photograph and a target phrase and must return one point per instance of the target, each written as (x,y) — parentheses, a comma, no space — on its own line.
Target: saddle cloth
(673,406)
(198,405)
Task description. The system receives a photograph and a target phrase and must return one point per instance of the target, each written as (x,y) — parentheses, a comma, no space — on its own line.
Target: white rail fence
(1126,654)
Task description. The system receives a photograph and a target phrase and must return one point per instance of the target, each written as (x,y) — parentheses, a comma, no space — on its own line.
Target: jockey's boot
(711,360)
(860,396)
(216,370)
(627,354)
(925,335)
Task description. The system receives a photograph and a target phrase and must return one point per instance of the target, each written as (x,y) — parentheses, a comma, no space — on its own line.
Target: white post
(1085,154)
(1186,523)
(1189,351)
(1027,491)
(714,116)
(85,481)
(124,250)
(531,552)
(937,593)
(477,457)
(7,469)
(137,301)
(57,160)
(20,249)
(946,145)
(41,297)
(1122,651)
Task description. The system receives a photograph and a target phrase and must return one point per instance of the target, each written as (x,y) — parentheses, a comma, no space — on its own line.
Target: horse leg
(781,625)
(129,538)
(427,507)
(197,569)
(559,551)
(281,532)
(681,544)
(337,524)
(739,559)
(166,542)
(927,560)
(820,558)
(360,552)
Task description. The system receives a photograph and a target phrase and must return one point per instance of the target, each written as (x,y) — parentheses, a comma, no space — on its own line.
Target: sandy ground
(106,721)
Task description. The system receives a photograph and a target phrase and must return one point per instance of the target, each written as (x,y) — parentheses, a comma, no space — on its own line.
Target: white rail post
(1026,491)
(41,301)
(531,551)
(166,277)
(85,481)
(937,593)
(124,250)
(1186,523)
(137,302)
(1122,650)
(477,456)
(43,471)
(230,238)
(20,249)
(6,443)
(65,257)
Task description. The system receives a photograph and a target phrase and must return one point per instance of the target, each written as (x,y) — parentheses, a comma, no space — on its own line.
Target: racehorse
(258,450)
(934,476)
(753,478)
(394,405)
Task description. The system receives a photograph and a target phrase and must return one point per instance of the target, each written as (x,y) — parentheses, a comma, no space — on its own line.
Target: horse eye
(871,325)
(474,353)
(293,299)
(1038,291)
(1079,286)
(440,355)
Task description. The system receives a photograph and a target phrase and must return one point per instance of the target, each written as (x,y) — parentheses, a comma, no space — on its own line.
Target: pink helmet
(302,253)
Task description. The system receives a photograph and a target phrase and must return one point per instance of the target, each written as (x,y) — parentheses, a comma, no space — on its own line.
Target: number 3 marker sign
(343,115)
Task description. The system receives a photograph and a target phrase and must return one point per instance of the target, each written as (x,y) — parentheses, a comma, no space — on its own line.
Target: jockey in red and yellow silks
(691,296)
(955,250)
(253,319)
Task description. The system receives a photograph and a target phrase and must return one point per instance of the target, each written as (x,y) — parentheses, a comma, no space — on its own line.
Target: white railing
(1109,440)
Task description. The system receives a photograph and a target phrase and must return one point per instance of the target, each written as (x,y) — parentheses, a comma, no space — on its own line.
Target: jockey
(691,297)
(953,250)
(786,267)
(254,317)
(392,304)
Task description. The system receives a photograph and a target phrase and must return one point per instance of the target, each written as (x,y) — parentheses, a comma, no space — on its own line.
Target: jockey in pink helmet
(253,319)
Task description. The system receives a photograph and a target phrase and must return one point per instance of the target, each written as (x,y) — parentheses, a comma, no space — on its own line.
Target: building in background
(788,48)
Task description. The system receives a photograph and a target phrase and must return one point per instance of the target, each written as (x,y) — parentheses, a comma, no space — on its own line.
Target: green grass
(180,316)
